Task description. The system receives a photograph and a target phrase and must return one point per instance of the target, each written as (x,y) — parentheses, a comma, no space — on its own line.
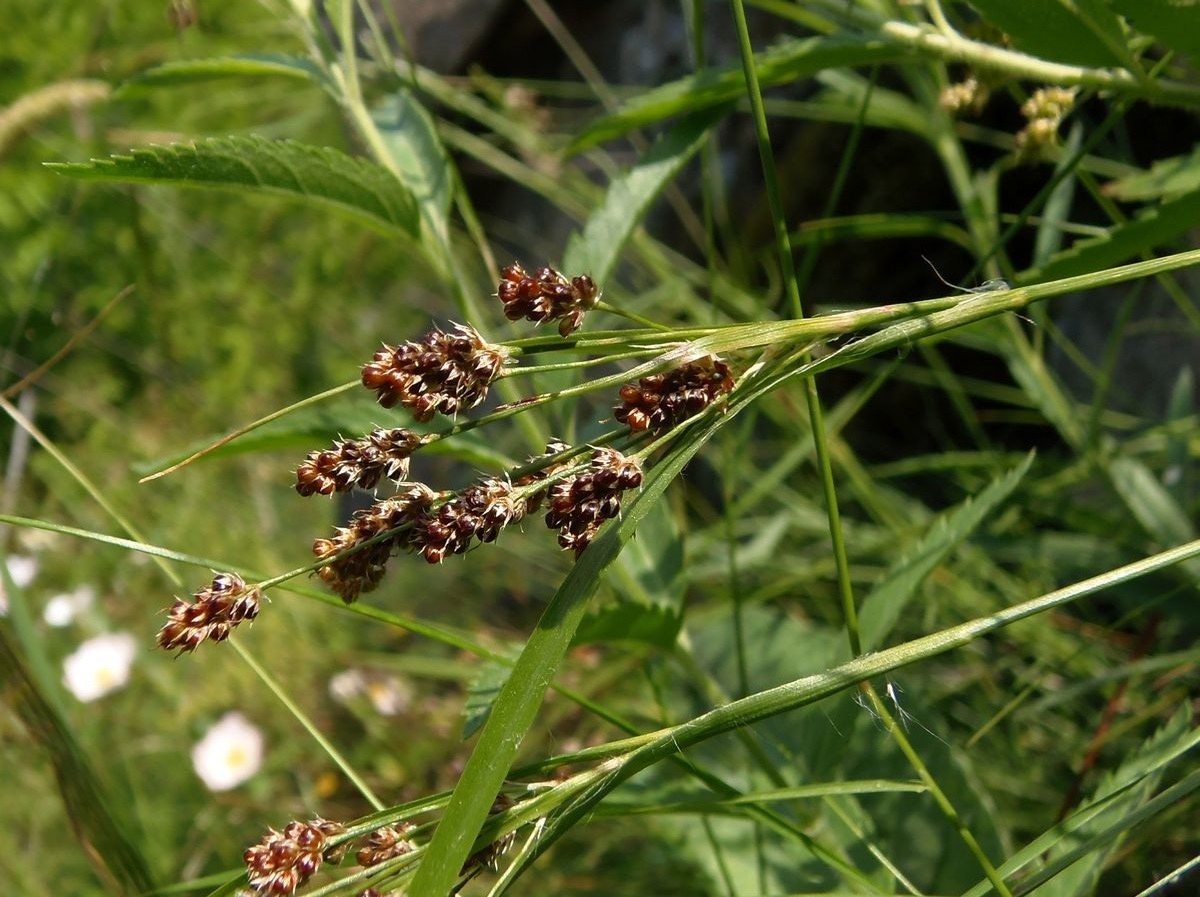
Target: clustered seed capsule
(662,401)
(225,603)
(362,570)
(444,373)
(547,295)
(361,463)
(579,505)
(282,861)
(386,843)
(479,511)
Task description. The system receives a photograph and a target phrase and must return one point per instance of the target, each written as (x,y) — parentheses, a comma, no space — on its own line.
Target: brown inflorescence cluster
(216,610)
(661,401)
(358,463)
(577,506)
(282,861)
(444,373)
(386,843)
(547,295)
(480,511)
(362,570)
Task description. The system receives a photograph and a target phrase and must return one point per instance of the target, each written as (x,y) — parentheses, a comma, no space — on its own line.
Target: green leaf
(1166,177)
(1117,797)
(595,250)
(481,694)
(1154,227)
(412,142)
(193,71)
(1172,22)
(516,706)
(105,837)
(887,601)
(626,621)
(320,175)
(785,62)
(1083,32)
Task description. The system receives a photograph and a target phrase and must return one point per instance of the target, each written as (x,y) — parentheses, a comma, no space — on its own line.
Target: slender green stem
(787,266)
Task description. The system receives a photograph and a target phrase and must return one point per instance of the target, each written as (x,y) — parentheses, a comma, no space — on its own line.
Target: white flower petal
(99,666)
(229,753)
(21,568)
(59,611)
(347,684)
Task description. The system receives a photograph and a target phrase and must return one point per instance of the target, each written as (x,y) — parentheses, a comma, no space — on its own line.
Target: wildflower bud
(363,569)
(282,861)
(444,373)
(662,401)
(217,609)
(547,296)
(385,844)
(360,463)
(578,506)
(1045,110)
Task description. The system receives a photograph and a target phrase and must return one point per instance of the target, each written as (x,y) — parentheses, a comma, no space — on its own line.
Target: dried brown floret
(578,506)
(478,512)
(217,609)
(444,373)
(282,861)
(358,463)
(547,295)
(661,401)
(362,570)
(385,843)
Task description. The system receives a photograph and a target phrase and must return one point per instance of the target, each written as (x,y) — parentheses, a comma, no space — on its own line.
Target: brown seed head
(444,373)
(386,843)
(661,401)
(546,295)
(216,610)
(577,507)
(358,463)
(282,861)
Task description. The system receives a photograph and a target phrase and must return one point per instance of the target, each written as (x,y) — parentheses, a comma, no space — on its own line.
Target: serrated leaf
(780,64)
(319,175)
(192,71)
(1120,794)
(481,694)
(1174,23)
(1082,32)
(887,601)
(626,621)
(1166,177)
(412,142)
(1155,227)
(595,250)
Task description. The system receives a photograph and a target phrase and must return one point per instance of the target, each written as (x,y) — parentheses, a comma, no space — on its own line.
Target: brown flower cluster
(217,609)
(362,570)
(478,512)
(444,373)
(662,401)
(547,295)
(579,505)
(358,463)
(282,861)
(386,843)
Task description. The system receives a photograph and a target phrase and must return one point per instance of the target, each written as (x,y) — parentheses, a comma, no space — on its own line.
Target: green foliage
(318,175)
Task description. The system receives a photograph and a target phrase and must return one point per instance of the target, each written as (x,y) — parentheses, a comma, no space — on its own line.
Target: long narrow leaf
(319,175)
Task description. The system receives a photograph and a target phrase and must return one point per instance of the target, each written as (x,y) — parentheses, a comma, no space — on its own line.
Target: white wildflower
(230,752)
(21,568)
(388,694)
(99,666)
(62,609)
